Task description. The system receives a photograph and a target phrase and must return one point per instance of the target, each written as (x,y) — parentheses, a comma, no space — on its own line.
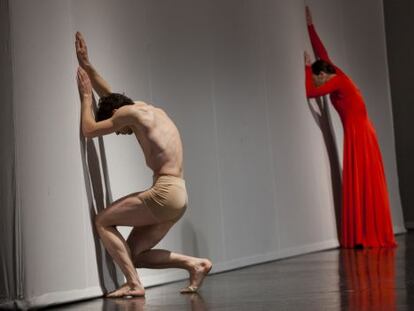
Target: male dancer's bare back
(159,139)
(153,212)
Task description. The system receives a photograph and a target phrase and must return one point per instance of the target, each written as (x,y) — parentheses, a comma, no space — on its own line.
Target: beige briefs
(167,198)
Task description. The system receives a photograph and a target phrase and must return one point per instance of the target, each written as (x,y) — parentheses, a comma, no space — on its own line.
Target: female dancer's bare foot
(197,274)
(127,290)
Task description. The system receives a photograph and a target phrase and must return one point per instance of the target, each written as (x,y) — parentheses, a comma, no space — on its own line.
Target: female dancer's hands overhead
(309,20)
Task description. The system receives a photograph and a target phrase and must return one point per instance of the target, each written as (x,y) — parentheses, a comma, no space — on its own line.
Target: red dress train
(366,219)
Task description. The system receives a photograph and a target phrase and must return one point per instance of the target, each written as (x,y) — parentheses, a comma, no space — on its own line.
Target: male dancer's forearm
(87,115)
(98,83)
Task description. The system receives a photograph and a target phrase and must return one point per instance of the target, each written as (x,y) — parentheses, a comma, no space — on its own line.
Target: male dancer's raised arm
(98,83)
(119,122)
(89,78)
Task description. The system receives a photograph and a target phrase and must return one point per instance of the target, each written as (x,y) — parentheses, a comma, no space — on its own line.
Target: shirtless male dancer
(153,212)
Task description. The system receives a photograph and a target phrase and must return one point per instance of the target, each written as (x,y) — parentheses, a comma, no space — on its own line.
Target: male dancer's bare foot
(197,274)
(127,290)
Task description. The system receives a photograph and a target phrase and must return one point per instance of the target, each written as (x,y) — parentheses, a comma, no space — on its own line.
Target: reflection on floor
(371,279)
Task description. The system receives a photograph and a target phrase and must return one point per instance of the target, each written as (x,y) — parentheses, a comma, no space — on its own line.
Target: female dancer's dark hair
(321,65)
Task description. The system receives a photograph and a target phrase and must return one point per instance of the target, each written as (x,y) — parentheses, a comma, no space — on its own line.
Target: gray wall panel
(399,22)
(9,220)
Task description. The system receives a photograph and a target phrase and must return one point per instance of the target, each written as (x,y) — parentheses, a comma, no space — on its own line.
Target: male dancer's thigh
(146,237)
(127,211)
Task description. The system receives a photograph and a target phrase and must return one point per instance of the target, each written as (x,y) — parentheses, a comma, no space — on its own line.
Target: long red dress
(366,219)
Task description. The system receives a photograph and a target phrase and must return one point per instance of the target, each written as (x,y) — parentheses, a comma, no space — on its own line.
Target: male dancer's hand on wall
(84,83)
(98,83)
(82,51)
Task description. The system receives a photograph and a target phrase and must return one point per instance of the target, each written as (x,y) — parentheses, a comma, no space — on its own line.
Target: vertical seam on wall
(18,266)
(268,128)
(216,139)
(148,53)
(346,59)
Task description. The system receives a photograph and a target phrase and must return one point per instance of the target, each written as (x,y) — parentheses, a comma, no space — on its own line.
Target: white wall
(230,73)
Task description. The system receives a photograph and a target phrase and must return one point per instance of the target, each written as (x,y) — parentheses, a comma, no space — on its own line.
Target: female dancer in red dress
(366,219)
